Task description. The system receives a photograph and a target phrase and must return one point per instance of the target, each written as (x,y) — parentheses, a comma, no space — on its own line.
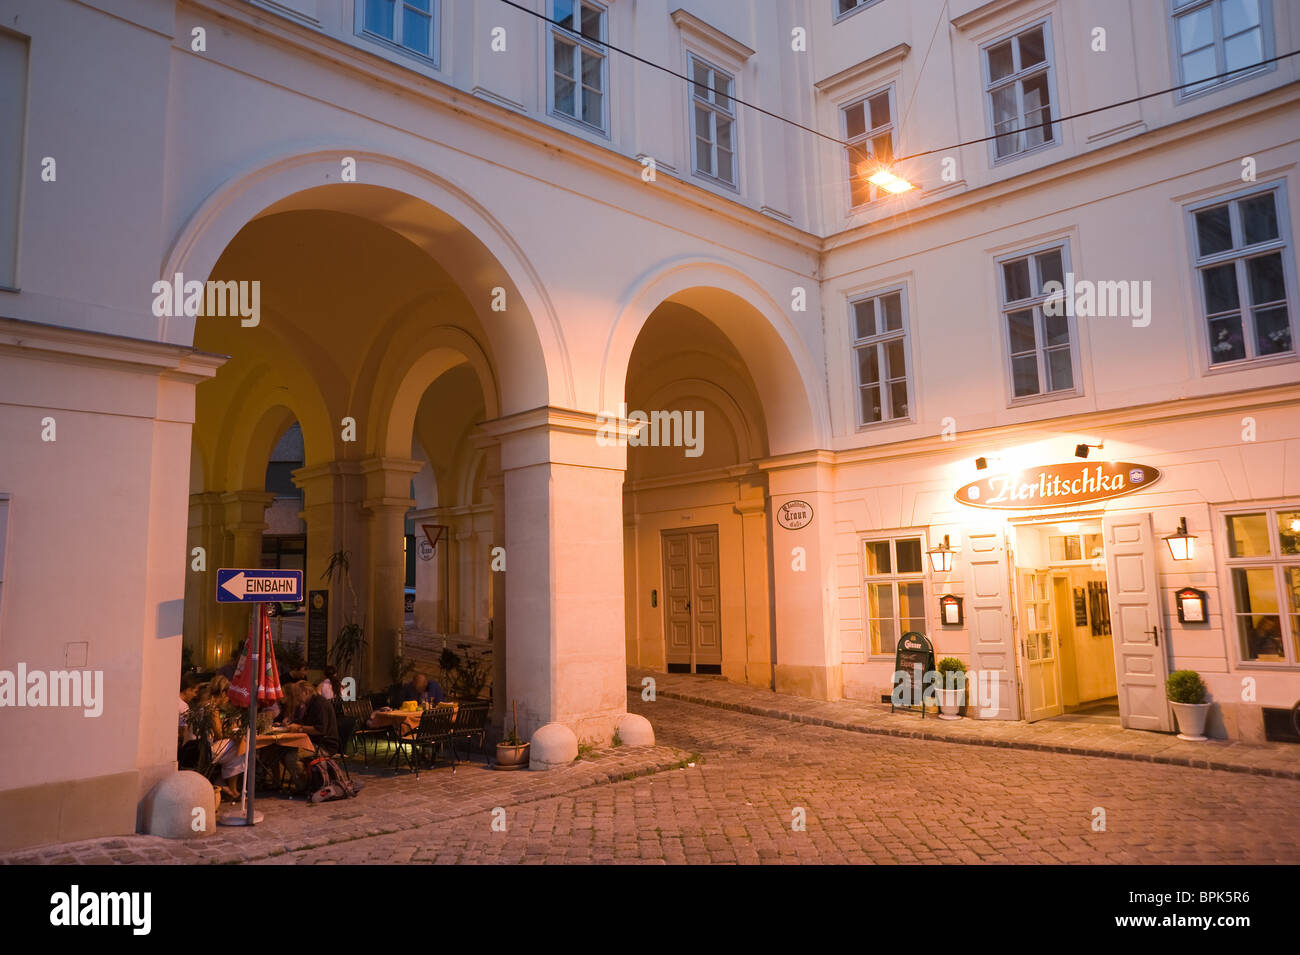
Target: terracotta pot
(1191,720)
(512,757)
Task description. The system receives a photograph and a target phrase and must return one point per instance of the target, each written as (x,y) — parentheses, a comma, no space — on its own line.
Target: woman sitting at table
(223,740)
(313,715)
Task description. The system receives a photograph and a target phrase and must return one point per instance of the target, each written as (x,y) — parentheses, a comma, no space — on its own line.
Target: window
(1038,344)
(1241,260)
(409,24)
(880,352)
(869,132)
(1263,549)
(1217,36)
(845,7)
(13,121)
(895,583)
(713,122)
(1018,84)
(578,61)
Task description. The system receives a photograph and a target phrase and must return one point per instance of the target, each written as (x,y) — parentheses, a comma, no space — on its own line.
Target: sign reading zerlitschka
(1052,484)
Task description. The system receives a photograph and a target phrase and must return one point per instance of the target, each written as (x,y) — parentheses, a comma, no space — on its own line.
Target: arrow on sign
(235,585)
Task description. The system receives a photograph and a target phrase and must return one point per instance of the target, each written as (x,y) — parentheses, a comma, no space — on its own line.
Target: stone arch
(428,210)
(789,381)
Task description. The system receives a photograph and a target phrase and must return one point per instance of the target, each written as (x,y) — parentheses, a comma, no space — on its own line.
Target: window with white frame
(1018,83)
(1241,258)
(845,7)
(880,353)
(579,63)
(895,589)
(869,138)
(713,121)
(1039,344)
(1213,37)
(409,24)
(1263,559)
(13,121)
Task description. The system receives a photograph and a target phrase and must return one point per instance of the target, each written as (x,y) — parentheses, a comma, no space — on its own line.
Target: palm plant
(350,641)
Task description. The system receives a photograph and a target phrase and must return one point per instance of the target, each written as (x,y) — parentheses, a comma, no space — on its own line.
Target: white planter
(1191,720)
(950,701)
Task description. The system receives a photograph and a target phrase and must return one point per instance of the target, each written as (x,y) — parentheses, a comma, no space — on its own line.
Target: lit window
(1018,84)
(1038,345)
(869,133)
(578,61)
(713,122)
(880,353)
(1263,557)
(1241,260)
(410,24)
(895,588)
(1217,36)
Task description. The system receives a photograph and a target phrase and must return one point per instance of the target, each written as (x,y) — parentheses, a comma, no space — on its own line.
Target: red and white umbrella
(268,679)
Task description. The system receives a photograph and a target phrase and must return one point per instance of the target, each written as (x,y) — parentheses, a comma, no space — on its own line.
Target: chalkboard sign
(318,628)
(913,659)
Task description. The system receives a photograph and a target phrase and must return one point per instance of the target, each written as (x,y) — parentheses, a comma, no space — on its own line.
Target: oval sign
(1050,485)
(793,515)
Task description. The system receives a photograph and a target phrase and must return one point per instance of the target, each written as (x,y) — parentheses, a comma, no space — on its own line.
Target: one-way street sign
(246,586)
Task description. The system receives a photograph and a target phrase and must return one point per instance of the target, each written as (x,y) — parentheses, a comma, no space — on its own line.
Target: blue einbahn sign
(246,586)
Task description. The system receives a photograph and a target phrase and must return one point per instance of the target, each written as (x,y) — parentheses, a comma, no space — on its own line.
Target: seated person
(423,690)
(316,718)
(189,689)
(329,686)
(1266,641)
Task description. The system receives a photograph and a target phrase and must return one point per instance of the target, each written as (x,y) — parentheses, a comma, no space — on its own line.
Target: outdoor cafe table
(301,740)
(403,720)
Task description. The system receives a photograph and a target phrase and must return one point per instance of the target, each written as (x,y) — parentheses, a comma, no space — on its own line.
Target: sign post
(260,587)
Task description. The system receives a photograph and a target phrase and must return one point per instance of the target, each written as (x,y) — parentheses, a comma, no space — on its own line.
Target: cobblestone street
(865,798)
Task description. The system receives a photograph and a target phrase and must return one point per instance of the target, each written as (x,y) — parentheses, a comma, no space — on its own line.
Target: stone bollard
(635,730)
(554,745)
(180,807)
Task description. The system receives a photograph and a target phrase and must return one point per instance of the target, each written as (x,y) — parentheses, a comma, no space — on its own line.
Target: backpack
(327,781)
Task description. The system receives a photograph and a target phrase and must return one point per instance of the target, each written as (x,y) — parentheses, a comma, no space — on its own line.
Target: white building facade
(469,243)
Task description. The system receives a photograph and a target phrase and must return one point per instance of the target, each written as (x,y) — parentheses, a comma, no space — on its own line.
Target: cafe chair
(470,726)
(434,731)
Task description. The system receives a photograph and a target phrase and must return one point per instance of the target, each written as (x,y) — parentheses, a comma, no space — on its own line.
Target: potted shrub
(1186,692)
(512,752)
(951,688)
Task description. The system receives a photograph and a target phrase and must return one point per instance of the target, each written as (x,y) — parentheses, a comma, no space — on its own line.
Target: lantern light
(1180,543)
(889,182)
(941,557)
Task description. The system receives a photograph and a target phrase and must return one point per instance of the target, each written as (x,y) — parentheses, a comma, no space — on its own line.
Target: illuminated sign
(1050,485)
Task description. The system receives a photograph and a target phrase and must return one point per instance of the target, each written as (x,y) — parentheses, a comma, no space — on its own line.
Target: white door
(992,645)
(1039,651)
(1137,626)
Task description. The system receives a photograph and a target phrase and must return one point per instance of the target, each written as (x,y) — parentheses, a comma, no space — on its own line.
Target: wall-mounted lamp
(1081,450)
(941,557)
(982,463)
(885,179)
(1180,543)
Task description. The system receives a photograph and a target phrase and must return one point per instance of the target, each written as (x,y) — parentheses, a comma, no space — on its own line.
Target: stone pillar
(758,607)
(808,658)
(244,521)
(496,580)
(566,659)
(388,498)
(331,511)
(202,614)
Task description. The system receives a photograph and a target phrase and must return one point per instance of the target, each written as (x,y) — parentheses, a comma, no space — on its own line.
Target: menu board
(914,650)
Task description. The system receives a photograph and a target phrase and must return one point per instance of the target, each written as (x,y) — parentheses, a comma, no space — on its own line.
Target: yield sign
(247,586)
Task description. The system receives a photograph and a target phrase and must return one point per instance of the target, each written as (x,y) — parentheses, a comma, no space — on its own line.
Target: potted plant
(1186,692)
(951,688)
(512,752)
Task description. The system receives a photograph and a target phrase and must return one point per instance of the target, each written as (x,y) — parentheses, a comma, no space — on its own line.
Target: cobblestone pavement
(1052,735)
(865,798)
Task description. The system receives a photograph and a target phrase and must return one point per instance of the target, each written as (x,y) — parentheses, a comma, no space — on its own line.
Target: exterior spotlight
(1181,543)
(1081,450)
(887,181)
(941,557)
(981,464)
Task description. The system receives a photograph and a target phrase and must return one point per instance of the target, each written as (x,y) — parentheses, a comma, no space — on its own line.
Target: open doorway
(1064,633)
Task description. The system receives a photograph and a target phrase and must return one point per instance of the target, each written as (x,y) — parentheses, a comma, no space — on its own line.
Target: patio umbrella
(256,680)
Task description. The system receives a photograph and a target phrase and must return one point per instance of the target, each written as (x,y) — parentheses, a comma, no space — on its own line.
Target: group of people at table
(304,721)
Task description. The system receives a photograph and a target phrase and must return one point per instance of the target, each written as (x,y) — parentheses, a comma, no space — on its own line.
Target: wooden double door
(692,600)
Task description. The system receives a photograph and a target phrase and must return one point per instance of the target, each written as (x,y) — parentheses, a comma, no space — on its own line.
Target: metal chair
(471,723)
(360,710)
(434,731)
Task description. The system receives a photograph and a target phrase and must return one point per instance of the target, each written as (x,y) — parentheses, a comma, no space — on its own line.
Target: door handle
(688,606)
(1155,635)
